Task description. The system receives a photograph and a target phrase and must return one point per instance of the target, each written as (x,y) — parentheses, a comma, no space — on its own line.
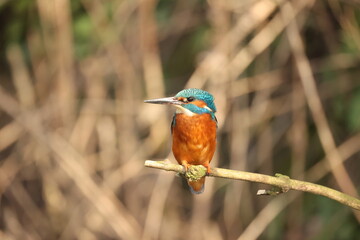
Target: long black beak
(168,100)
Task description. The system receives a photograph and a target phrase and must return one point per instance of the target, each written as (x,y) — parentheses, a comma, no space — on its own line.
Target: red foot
(186,165)
(208,169)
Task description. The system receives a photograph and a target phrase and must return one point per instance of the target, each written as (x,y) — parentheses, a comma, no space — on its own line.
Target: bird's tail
(198,186)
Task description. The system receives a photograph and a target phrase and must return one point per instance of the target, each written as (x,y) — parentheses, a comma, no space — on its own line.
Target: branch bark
(282,182)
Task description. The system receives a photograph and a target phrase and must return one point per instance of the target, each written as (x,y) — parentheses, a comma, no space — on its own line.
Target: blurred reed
(74,133)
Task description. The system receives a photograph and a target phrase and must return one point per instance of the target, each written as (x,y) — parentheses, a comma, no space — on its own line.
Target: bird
(193,129)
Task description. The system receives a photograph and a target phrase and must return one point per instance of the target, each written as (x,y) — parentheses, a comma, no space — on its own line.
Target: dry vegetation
(74,132)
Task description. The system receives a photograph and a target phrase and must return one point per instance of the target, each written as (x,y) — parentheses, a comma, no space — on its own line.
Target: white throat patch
(187,112)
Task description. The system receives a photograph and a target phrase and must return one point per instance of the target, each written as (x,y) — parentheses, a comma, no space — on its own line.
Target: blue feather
(199,95)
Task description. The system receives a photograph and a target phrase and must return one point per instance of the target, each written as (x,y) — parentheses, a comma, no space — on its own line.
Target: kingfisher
(193,129)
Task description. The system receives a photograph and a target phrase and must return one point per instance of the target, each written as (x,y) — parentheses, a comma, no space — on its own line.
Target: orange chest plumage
(194,139)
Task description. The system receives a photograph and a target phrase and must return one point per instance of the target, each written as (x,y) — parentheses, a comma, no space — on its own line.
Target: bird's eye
(190,99)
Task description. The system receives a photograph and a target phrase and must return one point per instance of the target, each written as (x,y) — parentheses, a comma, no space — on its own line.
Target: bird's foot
(186,166)
(208,169)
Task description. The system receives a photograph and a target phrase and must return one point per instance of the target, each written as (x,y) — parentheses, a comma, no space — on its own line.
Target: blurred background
(74,131)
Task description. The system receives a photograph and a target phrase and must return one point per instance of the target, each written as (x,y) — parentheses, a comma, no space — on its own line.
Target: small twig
(281,182)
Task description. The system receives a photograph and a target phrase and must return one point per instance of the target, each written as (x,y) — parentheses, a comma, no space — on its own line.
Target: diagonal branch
(282,182)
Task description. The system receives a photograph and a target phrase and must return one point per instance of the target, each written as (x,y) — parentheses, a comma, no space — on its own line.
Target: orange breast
(194,139)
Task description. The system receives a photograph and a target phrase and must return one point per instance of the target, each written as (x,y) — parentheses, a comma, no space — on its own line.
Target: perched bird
(193,130)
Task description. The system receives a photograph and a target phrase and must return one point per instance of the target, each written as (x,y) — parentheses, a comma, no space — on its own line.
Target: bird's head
(190,101)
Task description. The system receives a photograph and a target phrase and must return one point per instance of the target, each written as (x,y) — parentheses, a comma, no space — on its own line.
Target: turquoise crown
(201,95)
